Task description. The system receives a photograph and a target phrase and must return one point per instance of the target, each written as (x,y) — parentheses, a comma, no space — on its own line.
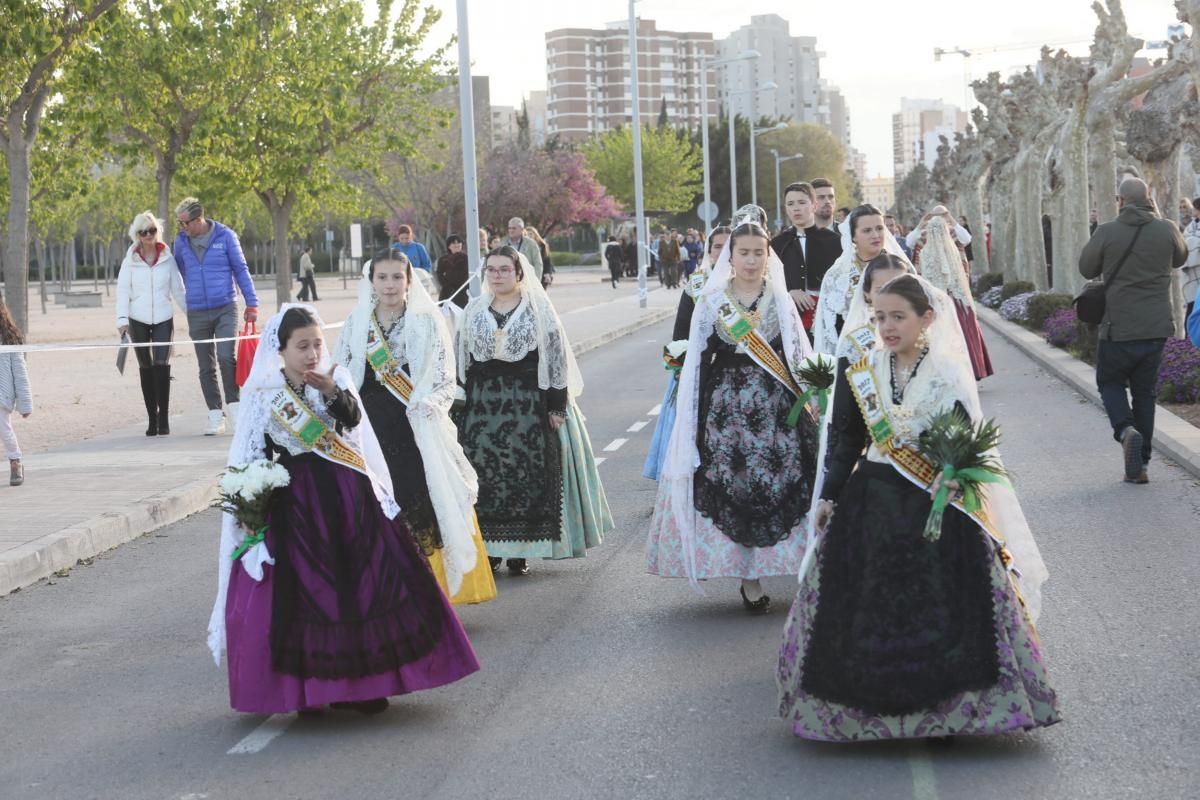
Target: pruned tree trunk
(17,147)
(1071,226)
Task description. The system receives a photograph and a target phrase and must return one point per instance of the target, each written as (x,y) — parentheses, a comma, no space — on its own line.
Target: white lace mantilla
(927,394)
(837,291)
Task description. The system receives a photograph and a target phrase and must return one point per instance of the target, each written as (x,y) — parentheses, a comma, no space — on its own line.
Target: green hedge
(987,280)
(566,259)
(1042,306)
(1015,288)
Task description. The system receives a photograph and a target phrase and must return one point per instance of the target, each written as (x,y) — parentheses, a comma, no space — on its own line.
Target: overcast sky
(876,51)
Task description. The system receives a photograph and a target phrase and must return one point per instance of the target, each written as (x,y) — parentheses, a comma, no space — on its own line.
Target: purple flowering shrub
(1179,375)
(991,298)
(1062,328)
(1016,308)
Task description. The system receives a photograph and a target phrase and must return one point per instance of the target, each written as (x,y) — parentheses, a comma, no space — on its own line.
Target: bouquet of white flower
(245,492)
(673,356)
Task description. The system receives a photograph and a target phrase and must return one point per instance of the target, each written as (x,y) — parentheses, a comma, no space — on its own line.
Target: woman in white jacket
(149,280)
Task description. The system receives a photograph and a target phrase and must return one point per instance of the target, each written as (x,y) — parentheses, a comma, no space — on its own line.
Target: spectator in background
(483,245)
(629,257)
(613,257)
(898,232)
(15,395)
(1137,318)
(669,256)
(211,262)
(147,284)
(308,276)
(453,271)
(917,233)
(495,241)
(825,200)
(417,255)
(1093,221)
(1191,270)
(544,251)
(693,250)
(525,245)
(840,215)
(1185,212)
(962,220)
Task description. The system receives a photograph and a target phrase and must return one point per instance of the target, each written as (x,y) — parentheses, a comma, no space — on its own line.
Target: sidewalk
(1173,437)
(86,497)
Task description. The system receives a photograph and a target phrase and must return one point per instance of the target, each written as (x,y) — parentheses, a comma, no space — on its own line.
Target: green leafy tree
(671,167)
(164,66)
(331,93)
(823,156)
(37,37)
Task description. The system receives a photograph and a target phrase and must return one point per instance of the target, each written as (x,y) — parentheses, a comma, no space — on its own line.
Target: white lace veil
(942,262)
(683,457)
(836,285)
(429,349)
(249,444)
(557,368)
(946,375)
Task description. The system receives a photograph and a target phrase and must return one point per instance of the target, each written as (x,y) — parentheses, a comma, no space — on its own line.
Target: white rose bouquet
(245,492)
(673,357)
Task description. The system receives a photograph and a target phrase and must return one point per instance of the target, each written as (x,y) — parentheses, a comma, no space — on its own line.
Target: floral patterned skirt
(909,638)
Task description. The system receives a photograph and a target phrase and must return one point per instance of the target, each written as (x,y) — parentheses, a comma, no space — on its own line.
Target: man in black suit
(806,250)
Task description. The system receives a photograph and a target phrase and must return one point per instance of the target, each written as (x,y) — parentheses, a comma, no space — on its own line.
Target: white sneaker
(231,414)
(216,422)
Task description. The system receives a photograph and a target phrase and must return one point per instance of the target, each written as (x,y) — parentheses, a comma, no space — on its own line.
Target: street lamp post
(769,85)
(466,111)
(745,55)
(638,202)
(753,147)
(778,196)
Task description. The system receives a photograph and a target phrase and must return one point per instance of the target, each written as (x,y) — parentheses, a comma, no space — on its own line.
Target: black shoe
(760,606)
(1131,444)
(518,566)
(495,563)
(149,398)
(162,390)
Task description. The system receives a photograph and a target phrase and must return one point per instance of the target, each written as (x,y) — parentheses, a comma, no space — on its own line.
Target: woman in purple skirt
(334,605)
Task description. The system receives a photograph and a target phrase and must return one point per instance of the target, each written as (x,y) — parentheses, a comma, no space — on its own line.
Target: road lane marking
(637,426)
(654,412)
(923,778)
(600,460)
(262,736)
(615,445)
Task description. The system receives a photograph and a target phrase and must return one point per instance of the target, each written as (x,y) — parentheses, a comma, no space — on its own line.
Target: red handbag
(246,348)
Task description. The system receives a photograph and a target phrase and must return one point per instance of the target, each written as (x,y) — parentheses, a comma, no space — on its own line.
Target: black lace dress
(505,431)
(901,623)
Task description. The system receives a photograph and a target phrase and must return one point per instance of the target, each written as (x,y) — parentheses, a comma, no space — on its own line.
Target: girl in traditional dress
(737,483)
(864,237)
(539,492)
(335,604)
(683,324)
(942,261)
(399,353)
(892,635)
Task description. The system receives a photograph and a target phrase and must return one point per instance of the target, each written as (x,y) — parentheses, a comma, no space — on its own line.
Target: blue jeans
(1126,370)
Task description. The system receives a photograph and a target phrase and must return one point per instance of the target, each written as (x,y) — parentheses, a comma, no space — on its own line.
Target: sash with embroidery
(863,340)
(387,369)
(911,464)
(696,282)
(295,415)
(743,332)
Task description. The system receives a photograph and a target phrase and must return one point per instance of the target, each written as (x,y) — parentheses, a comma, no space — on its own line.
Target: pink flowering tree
(549,189)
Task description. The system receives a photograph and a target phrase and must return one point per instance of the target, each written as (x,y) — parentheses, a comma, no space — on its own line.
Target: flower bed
(1179,374)
(1016,308)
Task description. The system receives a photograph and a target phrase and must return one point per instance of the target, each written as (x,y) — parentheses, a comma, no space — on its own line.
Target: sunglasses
(148,232)
(183,223)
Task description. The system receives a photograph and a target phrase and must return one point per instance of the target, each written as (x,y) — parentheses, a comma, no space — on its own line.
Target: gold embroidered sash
(911,464)
(863,339)
(696,282)
(387,369)
(295,415)
(742,331)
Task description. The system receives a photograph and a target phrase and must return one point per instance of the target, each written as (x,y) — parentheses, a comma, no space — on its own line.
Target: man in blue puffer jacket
(210,259)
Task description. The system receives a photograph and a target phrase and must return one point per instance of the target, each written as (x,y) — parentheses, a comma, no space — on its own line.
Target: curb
(1173,437)
(63,549)
(646,320)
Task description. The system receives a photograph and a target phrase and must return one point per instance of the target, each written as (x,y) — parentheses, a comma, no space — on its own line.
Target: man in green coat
(1137,319)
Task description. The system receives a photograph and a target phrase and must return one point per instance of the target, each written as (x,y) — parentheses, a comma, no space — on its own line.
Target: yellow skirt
(478,585)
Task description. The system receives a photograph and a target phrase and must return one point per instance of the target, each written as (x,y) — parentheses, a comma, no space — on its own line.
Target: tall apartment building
(588,78)
(879,192)
(793,64)
(506,121)
(916,131)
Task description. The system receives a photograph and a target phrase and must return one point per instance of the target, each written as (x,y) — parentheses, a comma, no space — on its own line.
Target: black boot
(162,388)
(148,396)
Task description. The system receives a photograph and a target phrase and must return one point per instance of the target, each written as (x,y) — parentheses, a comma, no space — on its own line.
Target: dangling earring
(923,341)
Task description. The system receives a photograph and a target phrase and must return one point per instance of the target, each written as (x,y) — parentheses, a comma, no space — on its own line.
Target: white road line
(262,736)
(654,412)
(599,460)
(615,445)
(637,426)
(923,778)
